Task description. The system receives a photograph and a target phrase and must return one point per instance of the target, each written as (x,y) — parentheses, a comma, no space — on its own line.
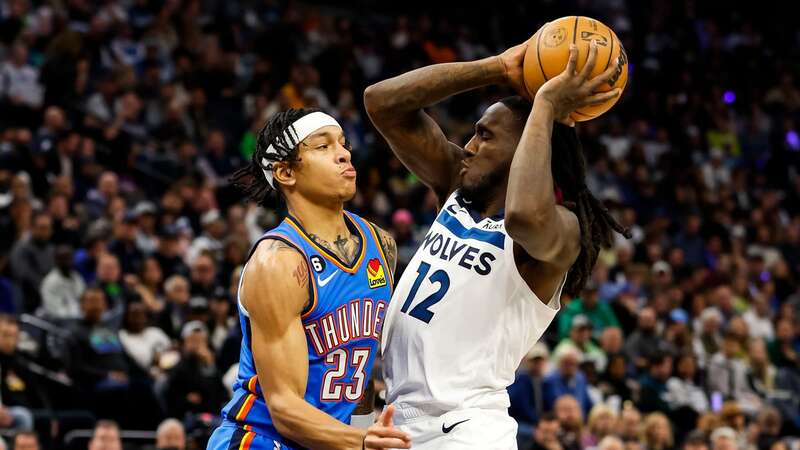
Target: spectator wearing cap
(654,383)
(211,241)
(645,340)
(695,440)
(195,385)
(146,219)
(566,379)
(32,259)
(580,337)
(62,287)
(527,391)
(599,314)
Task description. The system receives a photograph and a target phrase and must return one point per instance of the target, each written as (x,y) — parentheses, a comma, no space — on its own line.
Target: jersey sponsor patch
(375,274)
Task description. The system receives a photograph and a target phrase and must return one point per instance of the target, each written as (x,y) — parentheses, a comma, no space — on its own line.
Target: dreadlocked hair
(250,178)
(568,166)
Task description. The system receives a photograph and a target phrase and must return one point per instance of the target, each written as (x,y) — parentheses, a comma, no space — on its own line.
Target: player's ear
(284,174)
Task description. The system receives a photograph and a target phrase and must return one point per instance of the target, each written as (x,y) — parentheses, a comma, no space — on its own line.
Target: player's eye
(321,147)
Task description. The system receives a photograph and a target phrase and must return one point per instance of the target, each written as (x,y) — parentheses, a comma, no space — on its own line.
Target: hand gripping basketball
(382,434)
(571,89)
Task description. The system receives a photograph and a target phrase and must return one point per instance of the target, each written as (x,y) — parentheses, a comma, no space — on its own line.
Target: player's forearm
(530,197)
(423,87)
(297,420)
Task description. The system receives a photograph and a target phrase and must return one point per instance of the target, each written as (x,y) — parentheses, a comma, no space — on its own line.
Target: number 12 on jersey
(421,311)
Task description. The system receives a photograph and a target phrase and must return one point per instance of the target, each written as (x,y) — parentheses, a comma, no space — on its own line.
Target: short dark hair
(549,416)
(569,176)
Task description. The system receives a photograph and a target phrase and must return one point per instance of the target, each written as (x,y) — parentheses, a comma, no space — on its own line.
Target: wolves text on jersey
(359,319)
(465,255)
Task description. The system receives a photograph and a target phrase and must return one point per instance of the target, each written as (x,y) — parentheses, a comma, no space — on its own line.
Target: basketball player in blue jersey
(517,225)
(312,299)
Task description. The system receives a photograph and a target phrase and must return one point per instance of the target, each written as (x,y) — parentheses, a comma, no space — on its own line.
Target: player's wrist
(494,69)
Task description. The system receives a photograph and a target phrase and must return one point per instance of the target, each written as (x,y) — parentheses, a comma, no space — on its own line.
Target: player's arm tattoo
(389,246)
(346,248)
(300,273)
(367,403)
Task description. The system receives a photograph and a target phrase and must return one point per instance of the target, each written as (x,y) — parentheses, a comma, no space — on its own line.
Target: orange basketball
(549,52)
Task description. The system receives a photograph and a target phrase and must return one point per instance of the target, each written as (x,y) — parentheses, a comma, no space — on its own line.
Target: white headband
(297,131)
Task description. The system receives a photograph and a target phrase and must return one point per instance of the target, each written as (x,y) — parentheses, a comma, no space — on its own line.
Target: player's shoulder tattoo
(389,246)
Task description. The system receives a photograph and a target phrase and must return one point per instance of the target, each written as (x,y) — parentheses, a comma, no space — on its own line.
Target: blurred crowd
(121,238)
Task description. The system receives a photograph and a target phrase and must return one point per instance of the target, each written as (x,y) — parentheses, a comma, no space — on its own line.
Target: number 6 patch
(317,263)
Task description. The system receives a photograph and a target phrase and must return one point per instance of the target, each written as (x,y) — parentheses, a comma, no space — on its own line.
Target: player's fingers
(602,97)
(573,60)
(386,416)
(372,442)
(590,61)
(604,77)
(387,432)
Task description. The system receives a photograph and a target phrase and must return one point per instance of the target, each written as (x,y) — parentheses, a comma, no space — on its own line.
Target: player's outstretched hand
(382,434)
(571,89)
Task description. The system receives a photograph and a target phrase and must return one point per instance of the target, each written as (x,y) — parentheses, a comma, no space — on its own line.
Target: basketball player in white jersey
(517,225)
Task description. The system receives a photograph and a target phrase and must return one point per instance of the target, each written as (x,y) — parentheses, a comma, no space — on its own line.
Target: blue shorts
(231,437)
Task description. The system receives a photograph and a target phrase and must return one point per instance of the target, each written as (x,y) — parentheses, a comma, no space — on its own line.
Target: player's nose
(342,154)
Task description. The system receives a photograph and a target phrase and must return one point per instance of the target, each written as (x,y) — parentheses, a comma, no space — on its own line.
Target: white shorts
(463,429)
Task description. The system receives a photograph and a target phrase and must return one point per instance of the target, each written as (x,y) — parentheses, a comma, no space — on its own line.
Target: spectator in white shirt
(19,81)
(682,388)
(62,288)
(758,319)
(143,343)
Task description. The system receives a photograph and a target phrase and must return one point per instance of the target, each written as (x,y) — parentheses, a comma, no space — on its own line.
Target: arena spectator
(599,314)
(654,384)
(32,258)
(26,441)
(723,438)
(644,341)
(600,425)
(546,436)
(727,374)
(696,440)
(62,287)
(657,432)
(106,436)
(527,391)
(580,337)
(570,419)
(194,385)
(566,379)
(615,384)
(176,307)
(629,424)
(17,386)
(170,435)
(142,343)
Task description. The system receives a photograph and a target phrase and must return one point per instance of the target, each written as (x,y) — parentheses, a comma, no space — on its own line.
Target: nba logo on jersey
(375,274)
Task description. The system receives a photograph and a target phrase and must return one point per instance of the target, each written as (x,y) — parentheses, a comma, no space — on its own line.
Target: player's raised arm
(396,108)
(549,233)
(275,292)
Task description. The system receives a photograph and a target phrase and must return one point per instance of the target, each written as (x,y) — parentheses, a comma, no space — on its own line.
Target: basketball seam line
(538,58)
(611,51)
(575,29)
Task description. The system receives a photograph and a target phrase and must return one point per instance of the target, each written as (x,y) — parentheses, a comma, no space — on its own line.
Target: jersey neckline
(329,255)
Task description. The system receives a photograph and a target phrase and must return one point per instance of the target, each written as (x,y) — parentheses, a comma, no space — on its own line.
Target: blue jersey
(342,325)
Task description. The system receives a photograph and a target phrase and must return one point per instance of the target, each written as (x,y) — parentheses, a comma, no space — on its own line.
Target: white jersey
(461,318)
